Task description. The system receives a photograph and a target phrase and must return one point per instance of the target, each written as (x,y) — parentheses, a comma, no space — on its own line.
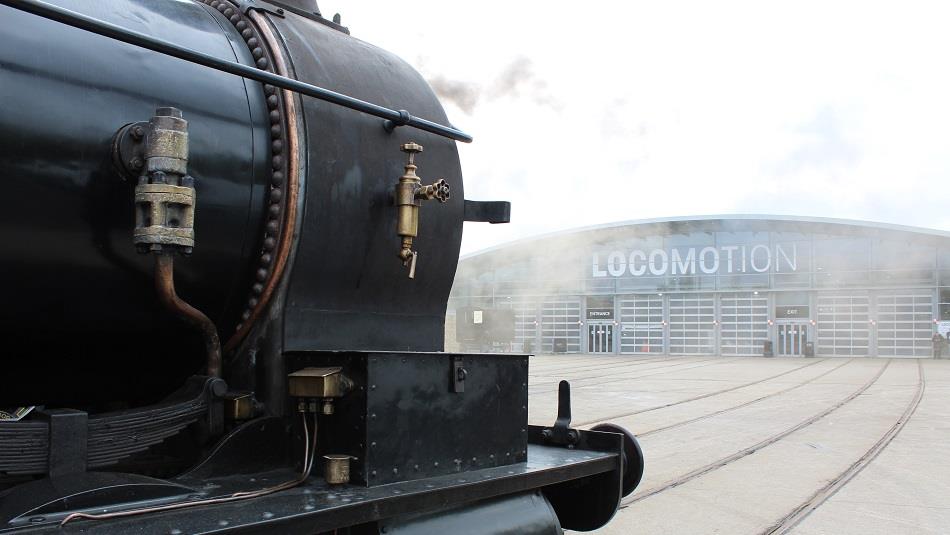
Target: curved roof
(734,222)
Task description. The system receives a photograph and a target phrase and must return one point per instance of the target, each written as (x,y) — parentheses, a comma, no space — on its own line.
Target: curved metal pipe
(282,251)
(165,285)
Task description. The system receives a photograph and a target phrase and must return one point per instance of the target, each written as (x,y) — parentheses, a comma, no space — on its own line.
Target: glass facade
(743,286)
(745,323)
(641,324)
(844,324)
(692,324)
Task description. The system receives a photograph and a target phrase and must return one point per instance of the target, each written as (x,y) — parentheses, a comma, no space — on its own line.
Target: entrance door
(792,338)
(600,338)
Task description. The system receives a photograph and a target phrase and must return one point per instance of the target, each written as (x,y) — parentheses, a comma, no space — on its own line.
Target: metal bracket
(128,150)
(562,434)
(246,6)
(459,373)
(68,440)
(487,211)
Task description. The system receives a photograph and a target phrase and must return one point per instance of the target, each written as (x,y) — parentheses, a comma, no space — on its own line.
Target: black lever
(562,434)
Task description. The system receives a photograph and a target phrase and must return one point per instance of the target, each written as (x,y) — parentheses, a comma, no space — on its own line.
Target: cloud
(810,108)
(823,144)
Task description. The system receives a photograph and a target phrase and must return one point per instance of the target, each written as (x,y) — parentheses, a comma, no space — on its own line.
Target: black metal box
(417,415)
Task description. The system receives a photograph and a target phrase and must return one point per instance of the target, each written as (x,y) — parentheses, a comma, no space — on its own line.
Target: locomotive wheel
(632,456)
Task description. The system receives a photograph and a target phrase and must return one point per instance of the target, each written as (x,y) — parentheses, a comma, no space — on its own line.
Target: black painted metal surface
(316,507)
(633,463)
(80,320)
(84,301)
(50,500)
(585,504)
(348,289)
(404,421)
(525,514)
(488,211)
(393,118)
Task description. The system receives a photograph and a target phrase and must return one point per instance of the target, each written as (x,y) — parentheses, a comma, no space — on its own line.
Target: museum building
(719,285)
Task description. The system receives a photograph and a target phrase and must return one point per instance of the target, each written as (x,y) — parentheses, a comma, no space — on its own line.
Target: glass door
(600,338)
(792,338)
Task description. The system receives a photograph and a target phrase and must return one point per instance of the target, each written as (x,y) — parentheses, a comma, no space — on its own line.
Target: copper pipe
(165,285)
(282,251)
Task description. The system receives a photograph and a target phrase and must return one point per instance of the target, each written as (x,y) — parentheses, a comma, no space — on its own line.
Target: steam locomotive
(228,249)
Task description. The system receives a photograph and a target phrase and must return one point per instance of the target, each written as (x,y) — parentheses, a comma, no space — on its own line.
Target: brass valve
(409,194)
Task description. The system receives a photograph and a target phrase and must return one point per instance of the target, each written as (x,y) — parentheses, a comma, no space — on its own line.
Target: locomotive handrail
(77,20)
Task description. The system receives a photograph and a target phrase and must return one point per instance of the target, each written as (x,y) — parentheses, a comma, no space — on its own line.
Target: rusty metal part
(165,194)
(279,226)
(408,196)
(165,285)
(165,215)
(166,142)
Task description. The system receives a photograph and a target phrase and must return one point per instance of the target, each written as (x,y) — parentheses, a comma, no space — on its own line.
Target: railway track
(695,398)
(795,517)
(633,368)
(729,459)
(616,376)
(601,366)
(745,404)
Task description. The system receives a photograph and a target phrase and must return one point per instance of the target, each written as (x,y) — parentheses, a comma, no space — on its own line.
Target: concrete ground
(768,445)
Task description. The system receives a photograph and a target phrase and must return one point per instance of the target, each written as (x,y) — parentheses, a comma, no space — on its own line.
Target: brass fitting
(312,384)
(240,406)
(165,194)
(408,196)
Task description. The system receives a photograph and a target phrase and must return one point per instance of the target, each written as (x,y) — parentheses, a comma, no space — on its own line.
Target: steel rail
(729,459)
(567,373)
(695,398)
(579,366)
(616,377)
(393,118)
(796,516)
(706,416)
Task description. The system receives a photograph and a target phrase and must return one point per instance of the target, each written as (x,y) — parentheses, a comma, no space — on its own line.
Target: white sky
(587,113)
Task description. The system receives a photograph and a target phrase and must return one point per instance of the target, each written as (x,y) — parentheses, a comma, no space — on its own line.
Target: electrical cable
(309,456)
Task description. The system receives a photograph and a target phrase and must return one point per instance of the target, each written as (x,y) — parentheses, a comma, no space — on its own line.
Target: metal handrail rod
(393,118)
